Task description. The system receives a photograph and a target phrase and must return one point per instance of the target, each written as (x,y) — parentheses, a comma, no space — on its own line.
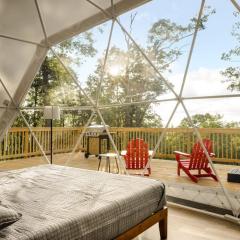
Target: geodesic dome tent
(29,28)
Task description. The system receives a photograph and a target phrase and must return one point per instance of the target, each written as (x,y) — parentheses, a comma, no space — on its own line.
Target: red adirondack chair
(197,160)
(137,155)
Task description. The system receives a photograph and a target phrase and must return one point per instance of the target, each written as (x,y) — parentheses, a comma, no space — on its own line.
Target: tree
(208,120)
(232,124)
(232,73)
(204,121)
(128,85)
(130,78)
(53,84)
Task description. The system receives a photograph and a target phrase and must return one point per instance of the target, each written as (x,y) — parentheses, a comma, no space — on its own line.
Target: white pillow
(8,216)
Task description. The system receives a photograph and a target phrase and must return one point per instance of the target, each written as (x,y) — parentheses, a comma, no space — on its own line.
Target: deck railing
(18,142)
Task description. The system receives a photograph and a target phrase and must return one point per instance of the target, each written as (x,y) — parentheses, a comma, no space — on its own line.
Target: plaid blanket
(60,203)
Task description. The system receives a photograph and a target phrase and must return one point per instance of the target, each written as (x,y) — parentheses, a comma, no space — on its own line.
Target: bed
(60,203)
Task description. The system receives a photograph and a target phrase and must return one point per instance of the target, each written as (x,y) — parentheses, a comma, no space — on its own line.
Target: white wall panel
(19,19)
(15,58)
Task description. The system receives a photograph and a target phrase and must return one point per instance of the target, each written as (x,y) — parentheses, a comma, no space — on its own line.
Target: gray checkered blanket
(60,203)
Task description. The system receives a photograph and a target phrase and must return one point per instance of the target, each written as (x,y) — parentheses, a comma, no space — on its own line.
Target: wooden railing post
(26,140)
(125,140)
(18,143)
(5,145)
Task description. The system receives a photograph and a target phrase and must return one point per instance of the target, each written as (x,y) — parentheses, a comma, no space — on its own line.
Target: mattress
(60,203)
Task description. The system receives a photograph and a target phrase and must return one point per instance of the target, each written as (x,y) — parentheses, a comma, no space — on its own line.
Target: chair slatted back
(137,154)
(198,159)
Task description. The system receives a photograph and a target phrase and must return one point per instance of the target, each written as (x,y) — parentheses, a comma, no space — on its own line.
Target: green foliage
(208,121)
(232,73)
(232,124)
(204,121)
(164,36)
(73,49)
(53,85)
(136,81)
(208,10)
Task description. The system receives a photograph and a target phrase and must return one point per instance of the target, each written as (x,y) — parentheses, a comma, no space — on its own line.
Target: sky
(204,76)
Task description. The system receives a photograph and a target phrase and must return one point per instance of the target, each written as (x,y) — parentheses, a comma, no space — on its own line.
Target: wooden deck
(164,170)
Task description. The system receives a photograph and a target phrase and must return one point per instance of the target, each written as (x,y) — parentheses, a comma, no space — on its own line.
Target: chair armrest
(182,154)
(123,153)
(150,153)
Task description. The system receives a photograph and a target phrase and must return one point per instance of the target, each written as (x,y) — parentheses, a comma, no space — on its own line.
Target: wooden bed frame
(160,217)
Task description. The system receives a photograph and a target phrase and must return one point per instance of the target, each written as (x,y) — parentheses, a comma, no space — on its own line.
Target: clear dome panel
(215,61)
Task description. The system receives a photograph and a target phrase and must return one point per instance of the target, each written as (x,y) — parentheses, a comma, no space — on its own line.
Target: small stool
(108,156)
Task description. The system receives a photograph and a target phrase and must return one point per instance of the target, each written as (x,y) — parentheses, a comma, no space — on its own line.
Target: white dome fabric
(22,40)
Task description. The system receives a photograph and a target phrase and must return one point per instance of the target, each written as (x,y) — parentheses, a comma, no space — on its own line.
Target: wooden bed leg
(158,217)
(163,225)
